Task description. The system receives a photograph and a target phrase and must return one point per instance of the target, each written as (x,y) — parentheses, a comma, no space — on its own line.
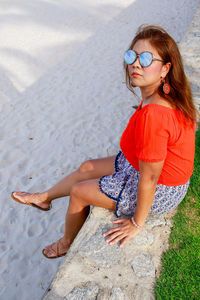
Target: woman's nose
(136,62)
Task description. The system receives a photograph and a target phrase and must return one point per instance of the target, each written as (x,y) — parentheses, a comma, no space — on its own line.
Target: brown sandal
(28,203)
(57,254)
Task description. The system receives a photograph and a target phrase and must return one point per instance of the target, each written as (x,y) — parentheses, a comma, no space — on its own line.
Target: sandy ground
(62,100)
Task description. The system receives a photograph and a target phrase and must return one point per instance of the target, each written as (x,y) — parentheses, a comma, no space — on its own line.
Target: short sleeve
(151,135)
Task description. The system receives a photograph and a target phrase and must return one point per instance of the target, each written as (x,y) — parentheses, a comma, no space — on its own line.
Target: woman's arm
(149,174)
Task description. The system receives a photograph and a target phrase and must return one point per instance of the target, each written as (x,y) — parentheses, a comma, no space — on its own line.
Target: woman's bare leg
(90,169)
(82,196)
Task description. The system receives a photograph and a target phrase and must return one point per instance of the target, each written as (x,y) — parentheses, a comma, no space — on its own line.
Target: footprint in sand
(14,256)
(3,246)
(35,229)
(62,228)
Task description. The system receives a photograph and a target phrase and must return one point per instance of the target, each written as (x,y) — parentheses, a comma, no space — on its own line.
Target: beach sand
(62,101)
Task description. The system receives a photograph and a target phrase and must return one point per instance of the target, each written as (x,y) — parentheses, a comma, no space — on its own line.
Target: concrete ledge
(94,270)
(190,50)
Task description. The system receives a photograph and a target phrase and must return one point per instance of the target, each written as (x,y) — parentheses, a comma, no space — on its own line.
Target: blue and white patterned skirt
(122,186)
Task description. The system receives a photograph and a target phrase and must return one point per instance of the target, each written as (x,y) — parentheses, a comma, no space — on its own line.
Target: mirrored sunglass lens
(129,57)
(145,59)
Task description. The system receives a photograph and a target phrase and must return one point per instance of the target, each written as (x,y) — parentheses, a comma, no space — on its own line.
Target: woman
(151,174)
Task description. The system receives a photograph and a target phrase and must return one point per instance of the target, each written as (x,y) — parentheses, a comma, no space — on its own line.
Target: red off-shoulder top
(156,133)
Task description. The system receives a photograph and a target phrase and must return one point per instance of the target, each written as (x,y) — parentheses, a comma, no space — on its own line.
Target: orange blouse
(155,133)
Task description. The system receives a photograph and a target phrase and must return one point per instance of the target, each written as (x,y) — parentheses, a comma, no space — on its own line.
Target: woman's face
(146,76)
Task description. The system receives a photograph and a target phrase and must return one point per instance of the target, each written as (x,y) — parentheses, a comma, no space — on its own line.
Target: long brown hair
(180,94)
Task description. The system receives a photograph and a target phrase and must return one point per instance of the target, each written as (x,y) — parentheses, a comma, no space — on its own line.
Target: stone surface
(103,294)
(94,270)
(143,266)
(145,238)
(117,294)
(155,220)
(98,250)
(142,293)
(190,50)
(82,293)
(116,271)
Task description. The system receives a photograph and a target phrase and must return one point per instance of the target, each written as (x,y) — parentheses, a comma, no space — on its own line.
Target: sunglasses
(145,58)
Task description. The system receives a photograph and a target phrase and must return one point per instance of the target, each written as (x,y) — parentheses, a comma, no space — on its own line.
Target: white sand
(63,101)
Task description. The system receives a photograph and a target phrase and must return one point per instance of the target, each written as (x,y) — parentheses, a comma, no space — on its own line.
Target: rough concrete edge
(194,23)
(95,219)
(189,44)
(73,248)
(70,252)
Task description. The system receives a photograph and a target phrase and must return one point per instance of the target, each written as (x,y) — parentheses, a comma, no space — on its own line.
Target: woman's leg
(82,196)
(90,169)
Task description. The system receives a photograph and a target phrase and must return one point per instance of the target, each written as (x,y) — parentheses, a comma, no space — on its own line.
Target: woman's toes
(56,249)
(49,252)
(20,196)
(32,198)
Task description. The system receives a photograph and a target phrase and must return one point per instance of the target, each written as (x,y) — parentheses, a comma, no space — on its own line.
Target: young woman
(151,173)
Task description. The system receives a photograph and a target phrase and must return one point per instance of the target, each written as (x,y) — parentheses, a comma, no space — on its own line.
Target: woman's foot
(38,200)
(56,249)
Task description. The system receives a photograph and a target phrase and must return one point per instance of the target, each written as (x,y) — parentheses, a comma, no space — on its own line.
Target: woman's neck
(150,98)
(147,93)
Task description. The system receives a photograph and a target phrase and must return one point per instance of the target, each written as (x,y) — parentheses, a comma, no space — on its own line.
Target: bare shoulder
(165,103)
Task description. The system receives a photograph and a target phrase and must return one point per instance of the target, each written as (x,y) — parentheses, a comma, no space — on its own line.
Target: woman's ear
(165,69)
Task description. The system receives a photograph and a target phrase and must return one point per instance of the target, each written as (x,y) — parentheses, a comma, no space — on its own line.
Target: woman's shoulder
(162,115)
(156,112)
(158,104)
(159,116)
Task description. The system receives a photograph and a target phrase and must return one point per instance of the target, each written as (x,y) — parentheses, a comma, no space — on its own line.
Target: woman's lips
(135,74)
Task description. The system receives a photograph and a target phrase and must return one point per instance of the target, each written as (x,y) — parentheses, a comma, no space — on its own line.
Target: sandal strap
(64,246)
(26,201)
(30,203)
(56,251)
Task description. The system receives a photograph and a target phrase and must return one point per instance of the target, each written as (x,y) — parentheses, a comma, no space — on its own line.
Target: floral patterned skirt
(122,186)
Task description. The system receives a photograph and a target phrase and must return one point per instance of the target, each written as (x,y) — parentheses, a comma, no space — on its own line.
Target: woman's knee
(77,194)
(78,190)
(86,167)
(75,190)
(95,168)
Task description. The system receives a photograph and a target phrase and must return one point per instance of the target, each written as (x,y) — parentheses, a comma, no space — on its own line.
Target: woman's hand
(124,232)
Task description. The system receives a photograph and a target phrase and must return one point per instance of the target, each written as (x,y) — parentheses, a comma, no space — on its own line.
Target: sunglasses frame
(138,56)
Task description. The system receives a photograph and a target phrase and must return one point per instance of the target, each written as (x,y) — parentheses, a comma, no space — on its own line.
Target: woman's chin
(134,85)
